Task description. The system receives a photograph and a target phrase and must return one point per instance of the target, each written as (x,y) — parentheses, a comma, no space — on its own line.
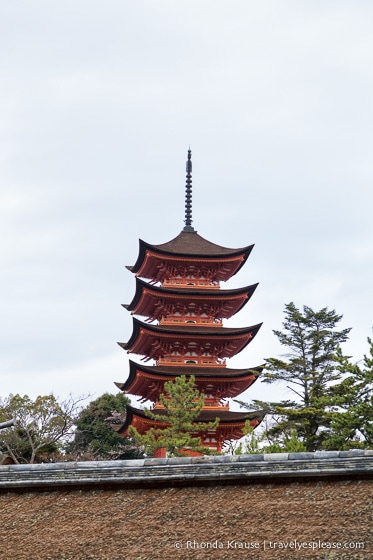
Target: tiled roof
(189,331)
(196,370)
(188,470)
(191,243)
(190,293)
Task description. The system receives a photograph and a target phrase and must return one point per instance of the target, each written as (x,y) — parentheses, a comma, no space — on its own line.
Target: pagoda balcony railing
(197,361)
(215,406)
(188,284)
(208,322)
(207,405)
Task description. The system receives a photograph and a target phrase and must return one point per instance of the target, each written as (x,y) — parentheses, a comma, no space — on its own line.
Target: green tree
(42,426)
(350,405)
(95,438)
(310,368)
(255,443)
(248,444)
(183,404)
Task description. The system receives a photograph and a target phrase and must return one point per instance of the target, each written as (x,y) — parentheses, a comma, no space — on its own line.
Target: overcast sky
(99,101)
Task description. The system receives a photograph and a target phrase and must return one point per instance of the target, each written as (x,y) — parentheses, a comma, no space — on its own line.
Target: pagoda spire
(188,194)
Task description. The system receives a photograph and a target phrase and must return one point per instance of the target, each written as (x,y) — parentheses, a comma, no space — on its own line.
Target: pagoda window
(191,321)
(191,361)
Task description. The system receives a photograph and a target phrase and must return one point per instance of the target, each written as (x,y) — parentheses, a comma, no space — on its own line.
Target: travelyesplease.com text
(294,544)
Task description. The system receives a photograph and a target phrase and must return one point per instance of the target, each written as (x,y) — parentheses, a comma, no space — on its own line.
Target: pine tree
(310,368)
(182,404)
(350,405)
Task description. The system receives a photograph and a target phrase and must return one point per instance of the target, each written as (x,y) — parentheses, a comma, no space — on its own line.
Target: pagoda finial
(188,194)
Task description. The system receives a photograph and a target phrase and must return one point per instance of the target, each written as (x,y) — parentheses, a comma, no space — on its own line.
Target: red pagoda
(178,294)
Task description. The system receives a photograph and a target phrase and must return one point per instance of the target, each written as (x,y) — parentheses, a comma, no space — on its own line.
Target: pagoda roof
(187,245)
(227,418)
(148,381)
(146,299)
(146,338)
(191,243)
(188,370)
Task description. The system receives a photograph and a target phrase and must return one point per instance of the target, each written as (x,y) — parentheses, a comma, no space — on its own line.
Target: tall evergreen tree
(350,403)
(310,368)
(183,404)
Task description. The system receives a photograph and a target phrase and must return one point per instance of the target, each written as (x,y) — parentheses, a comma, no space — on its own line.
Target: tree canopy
(182,405)
(95,438)
(42,425)
(350,404)
(332,404)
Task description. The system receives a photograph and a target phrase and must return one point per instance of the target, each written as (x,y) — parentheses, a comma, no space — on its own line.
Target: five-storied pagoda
(178,293)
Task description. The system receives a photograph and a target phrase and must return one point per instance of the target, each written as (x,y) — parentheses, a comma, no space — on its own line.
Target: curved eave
(147,388)
(187,293)
(227,418)
(190,244)
(167,373)
(141,332)
(187,330)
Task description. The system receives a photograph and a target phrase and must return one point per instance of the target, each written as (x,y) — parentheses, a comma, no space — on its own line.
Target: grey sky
(99,102)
